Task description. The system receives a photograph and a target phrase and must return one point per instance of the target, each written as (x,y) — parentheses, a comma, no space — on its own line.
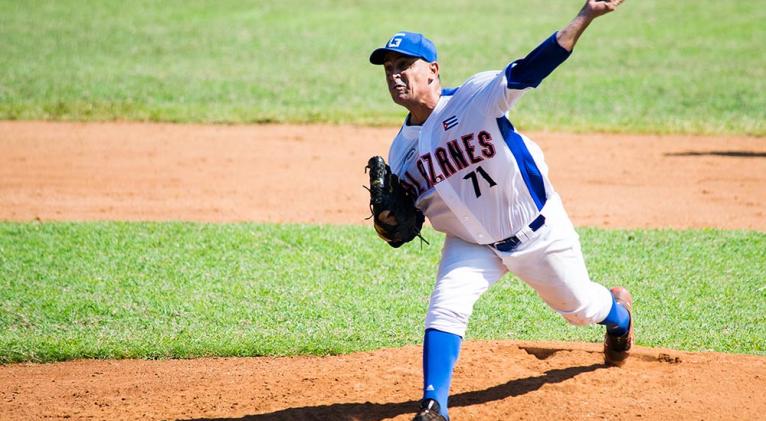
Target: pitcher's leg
(552,263)
(555,268)
(465,272)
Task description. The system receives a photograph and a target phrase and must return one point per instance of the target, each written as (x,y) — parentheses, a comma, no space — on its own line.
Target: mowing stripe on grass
(653,66)
(160,290)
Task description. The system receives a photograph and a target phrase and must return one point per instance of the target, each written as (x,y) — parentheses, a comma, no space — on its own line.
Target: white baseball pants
(550,261)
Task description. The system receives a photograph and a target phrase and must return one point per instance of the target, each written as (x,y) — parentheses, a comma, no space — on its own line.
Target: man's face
(408,78)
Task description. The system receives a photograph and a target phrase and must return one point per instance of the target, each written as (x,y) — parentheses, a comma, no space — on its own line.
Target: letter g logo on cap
(395,40)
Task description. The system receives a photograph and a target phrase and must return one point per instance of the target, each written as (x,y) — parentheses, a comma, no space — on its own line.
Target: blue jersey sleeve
(539,63)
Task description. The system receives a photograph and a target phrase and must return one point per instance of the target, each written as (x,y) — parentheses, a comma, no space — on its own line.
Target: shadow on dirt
(369,411)
(735,154)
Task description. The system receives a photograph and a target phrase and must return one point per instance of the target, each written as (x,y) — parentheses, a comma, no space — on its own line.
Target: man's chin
(400,99)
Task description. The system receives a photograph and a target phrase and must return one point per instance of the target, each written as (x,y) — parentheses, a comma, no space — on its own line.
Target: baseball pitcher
(459,161)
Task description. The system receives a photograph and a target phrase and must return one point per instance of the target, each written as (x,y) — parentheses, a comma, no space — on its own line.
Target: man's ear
(434,67)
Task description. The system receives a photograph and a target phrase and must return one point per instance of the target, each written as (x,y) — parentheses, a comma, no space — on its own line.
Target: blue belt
(512,242)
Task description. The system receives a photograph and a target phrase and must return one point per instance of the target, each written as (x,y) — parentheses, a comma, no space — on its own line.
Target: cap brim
(378,56)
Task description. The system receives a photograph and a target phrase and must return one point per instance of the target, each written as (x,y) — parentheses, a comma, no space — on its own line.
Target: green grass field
(154,290)
(654,66)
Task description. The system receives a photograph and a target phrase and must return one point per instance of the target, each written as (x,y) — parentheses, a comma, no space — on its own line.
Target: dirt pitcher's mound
(493,381)
(129,171)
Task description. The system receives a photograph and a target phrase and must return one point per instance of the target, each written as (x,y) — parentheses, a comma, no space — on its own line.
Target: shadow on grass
(369,411)
(735,154)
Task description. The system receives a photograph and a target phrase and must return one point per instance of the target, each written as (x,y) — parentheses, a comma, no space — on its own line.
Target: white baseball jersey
(475,177)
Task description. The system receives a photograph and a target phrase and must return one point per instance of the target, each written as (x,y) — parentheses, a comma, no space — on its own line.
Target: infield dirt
(313,174)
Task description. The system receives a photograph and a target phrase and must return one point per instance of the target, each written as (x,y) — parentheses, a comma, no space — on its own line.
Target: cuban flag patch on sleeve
(449,123)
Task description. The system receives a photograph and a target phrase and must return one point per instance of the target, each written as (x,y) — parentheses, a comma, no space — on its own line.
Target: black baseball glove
(396,218)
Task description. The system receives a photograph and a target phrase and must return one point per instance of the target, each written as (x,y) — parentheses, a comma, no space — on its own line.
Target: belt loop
(523,234)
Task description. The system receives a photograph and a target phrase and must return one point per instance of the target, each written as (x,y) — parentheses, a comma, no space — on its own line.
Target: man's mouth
(399,84)
(399,88)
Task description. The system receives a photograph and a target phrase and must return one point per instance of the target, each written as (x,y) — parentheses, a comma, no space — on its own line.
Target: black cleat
(429,411)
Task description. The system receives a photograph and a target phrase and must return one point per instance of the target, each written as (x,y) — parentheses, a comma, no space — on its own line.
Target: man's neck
(417,118)
(420,112)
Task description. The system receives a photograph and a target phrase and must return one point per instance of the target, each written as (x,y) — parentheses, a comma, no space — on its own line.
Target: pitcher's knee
(588,314)
(578,319)
(447,321)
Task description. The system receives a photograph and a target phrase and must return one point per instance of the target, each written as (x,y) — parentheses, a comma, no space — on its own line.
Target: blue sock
(440,351)
(617,321)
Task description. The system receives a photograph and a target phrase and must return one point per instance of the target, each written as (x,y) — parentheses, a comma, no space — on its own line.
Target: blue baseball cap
(411,44)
